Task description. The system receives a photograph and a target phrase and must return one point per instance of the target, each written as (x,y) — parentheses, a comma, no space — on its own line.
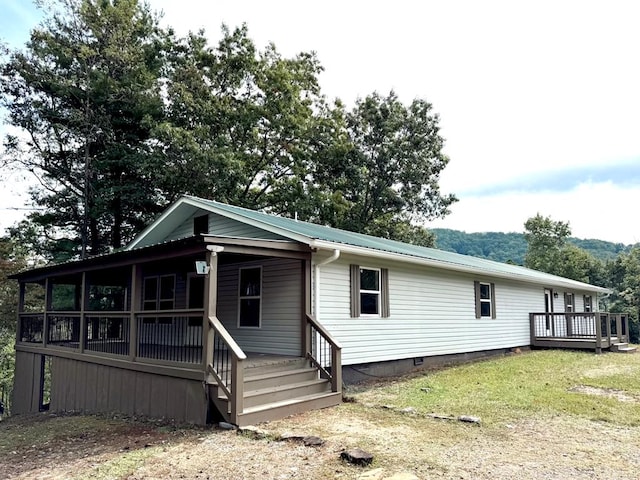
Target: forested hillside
(511,247)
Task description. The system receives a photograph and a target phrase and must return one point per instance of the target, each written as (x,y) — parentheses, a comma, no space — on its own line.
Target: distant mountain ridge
(512,247)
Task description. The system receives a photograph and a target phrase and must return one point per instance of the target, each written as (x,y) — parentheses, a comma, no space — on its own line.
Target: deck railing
(63,329)
(108,333)
(31,327)
(601,328)
(324,352)
(226,366)
(172,336)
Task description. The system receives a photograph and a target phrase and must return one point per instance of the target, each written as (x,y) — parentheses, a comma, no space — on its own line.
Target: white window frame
(158,299)
(377,292)
(486,300)
(588,304)
(249,297)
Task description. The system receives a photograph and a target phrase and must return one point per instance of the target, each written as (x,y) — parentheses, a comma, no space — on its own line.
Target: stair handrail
(231,381)
(335,375)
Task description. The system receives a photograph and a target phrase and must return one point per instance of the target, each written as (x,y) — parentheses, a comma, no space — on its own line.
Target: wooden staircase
(276,390)
(622,347)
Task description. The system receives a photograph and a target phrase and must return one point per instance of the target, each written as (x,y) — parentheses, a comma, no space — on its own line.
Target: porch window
(588,303)
(569,302)
(485,294)
(369,291)
(159,294)
(250,297)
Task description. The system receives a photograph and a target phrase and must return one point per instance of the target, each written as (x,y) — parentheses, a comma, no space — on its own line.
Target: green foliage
(624,278)
(549,251)
(86,91)
(388,179)
(512,247)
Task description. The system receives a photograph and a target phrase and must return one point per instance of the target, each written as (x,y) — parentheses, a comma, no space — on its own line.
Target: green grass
(512,387)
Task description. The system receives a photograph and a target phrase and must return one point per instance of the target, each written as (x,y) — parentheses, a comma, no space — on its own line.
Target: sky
(539,101)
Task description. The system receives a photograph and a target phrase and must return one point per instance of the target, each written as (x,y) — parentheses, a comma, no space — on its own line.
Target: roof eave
(428,262)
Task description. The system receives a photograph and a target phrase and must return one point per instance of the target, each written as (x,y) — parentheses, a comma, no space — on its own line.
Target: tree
(386,182)
(549,251)
(86,92)
(545,239)
(624,280)
(243,126)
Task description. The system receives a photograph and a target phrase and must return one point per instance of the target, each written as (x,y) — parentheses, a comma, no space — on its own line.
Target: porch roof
(323,237)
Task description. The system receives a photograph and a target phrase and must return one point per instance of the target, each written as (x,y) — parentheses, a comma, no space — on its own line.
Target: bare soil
(60,447)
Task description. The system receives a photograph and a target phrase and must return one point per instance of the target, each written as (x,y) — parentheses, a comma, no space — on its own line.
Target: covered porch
(581,330)
(153,323)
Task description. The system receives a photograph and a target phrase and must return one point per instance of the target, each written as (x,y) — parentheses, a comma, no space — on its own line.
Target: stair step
(294,363)
(626,349)
(275,379)
(263,396)
(285,408)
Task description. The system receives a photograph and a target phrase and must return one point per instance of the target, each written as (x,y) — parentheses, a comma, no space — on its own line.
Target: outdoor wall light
(555,294)
(201,267)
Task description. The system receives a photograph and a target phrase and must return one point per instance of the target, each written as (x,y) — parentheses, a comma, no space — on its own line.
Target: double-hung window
(159,294)
(250,297)
(569,302)
(369,291)
(588,303)
(485,294)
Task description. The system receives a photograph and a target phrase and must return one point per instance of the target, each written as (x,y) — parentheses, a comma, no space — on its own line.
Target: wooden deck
(596,331)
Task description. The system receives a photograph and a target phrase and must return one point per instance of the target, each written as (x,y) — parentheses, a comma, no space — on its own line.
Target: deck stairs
(277,390)
(622,348)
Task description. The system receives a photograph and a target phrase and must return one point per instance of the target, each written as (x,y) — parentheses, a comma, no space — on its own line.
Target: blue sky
(538,101)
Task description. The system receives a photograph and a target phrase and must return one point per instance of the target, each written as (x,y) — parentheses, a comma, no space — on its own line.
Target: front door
(548,309)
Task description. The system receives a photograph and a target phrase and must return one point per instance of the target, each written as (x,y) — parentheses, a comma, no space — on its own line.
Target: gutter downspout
(316,279)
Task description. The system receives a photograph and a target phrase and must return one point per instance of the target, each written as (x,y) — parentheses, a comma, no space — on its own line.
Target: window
(201,224)
(588,303)
(250,297)
(369,291)
(569,302)
(485,294)
(159,294)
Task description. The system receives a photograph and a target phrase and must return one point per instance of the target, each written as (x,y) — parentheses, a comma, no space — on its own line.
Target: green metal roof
(342,237)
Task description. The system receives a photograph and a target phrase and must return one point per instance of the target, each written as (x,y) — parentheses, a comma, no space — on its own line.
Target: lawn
(544,414)
(513,387)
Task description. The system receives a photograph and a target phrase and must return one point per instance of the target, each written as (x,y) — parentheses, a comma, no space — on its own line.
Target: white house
(270,313)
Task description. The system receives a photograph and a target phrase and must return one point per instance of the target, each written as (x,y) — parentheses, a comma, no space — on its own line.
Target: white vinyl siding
(433,313)
(282,308)
(219,225)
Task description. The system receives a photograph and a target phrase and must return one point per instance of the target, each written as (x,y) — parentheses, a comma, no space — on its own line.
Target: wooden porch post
(210,304)
(598,319)
(608,332)
(133,324)
(306,304)
(21,290)
(47,306)
(83,323)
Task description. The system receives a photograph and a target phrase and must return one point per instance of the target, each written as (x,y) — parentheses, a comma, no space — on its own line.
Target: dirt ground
(418,447)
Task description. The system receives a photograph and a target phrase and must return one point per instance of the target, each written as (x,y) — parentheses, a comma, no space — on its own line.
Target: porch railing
(31,327)
(173,336)
(324,352)
(108,333)
(226,366)
(602,328)
(63,329)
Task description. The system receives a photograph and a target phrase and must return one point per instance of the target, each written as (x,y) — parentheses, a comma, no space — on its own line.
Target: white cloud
(522,88)
(593,210)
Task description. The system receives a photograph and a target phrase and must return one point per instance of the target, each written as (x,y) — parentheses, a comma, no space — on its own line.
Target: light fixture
(201,267)
(555,294)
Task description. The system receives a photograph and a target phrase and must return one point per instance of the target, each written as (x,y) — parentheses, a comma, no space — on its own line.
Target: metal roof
(335,238)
